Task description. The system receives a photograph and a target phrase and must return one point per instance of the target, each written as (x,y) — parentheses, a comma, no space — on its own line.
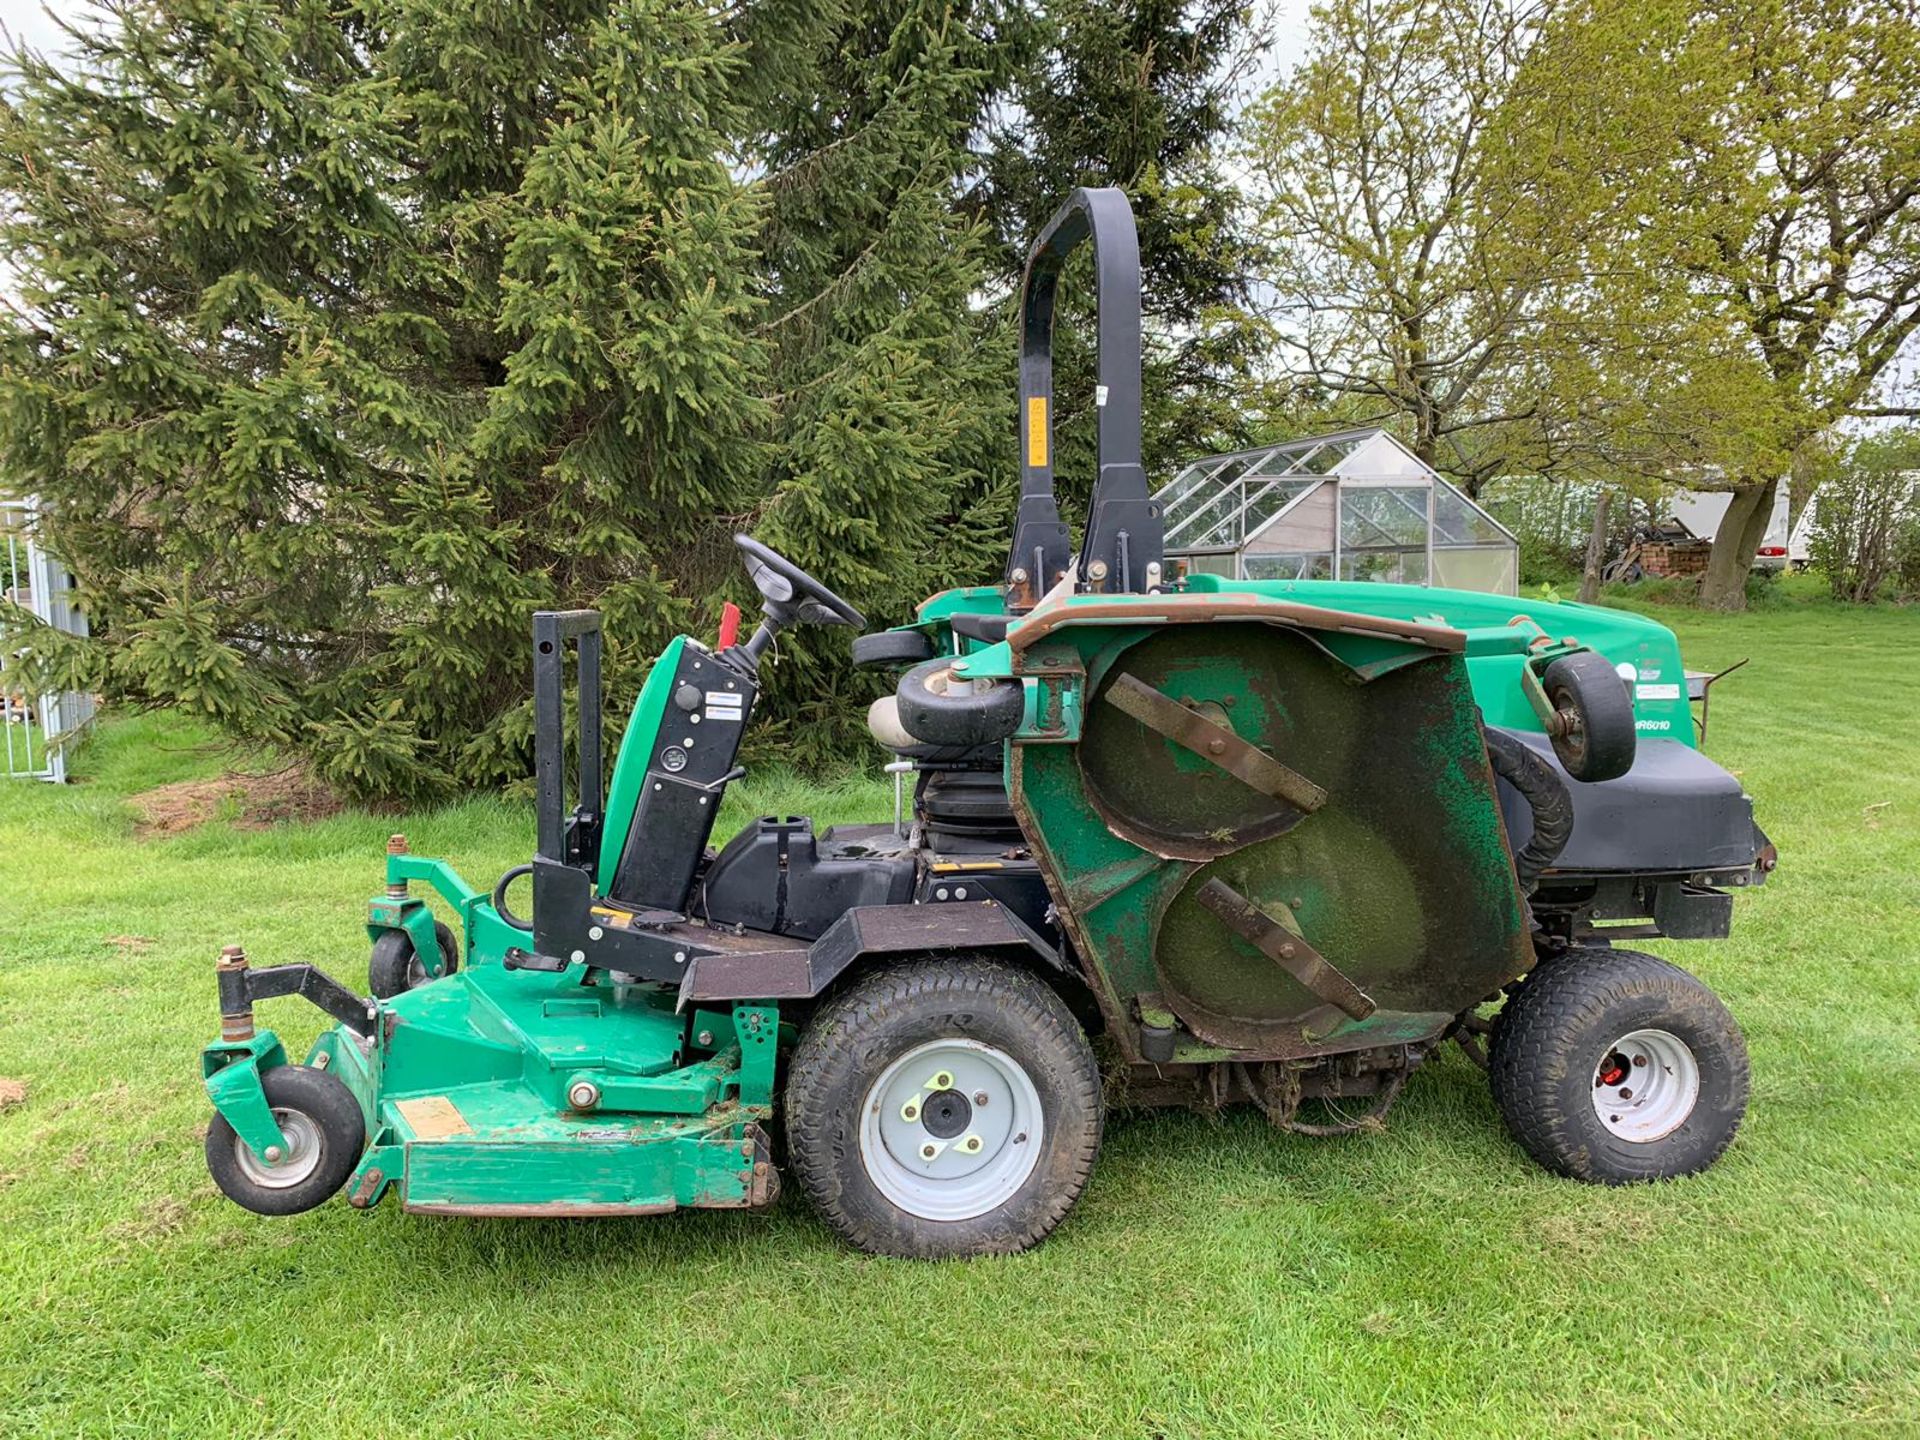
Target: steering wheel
(790,592)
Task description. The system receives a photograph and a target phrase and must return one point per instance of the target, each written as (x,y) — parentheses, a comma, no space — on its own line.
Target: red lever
(729,625)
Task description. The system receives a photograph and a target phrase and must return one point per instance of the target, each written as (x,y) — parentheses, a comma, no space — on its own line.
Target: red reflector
(1773,549)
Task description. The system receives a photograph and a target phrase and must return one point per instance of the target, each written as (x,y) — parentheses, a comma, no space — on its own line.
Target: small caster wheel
(938,707)
(1599,741)
(394,968)
(326,1134)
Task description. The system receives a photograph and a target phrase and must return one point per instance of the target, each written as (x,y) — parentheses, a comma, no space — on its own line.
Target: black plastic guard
(972,927)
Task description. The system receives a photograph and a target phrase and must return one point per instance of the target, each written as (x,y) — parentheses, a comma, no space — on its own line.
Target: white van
(1702,511)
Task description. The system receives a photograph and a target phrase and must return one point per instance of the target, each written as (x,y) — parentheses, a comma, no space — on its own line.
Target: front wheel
(394,968)
(944,1108)
(326,1134)
(1613,1067)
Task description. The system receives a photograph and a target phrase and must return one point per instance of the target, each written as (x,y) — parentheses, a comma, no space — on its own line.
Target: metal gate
(39,728)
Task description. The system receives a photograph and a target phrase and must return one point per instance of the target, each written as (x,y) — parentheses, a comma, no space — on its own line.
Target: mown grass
(1218,1279)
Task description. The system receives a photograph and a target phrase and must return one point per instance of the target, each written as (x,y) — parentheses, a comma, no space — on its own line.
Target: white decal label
(1659,692)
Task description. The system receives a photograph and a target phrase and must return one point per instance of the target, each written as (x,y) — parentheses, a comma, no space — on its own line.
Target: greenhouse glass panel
(1458,521)
(1476,567)
(1288,510)
(1293,566)
(1383,516)
(1396,567)
(1261,504)
(1188,482)
(1222,564)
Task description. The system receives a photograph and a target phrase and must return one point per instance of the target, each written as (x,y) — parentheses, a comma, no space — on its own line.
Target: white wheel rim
(301,1160)
(952,1150)
(1646,1085)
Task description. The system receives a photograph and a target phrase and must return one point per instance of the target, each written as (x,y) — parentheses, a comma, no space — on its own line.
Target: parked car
(1702,511)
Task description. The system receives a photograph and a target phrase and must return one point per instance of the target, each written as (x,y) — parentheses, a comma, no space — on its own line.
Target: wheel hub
(283,1172)
(951,1130)
(1646,1085)
(946,1114)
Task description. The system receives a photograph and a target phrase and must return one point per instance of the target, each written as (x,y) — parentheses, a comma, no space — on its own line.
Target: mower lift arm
(242,984)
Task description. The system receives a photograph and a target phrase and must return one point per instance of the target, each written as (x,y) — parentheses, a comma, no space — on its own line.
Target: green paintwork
(1496,647)
(490,1054)
(232,1071)
(630,769)
(1493,658)
(1402,880)
(966,600)
(485,935)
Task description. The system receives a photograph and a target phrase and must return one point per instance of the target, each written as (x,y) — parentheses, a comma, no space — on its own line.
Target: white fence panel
(38,728)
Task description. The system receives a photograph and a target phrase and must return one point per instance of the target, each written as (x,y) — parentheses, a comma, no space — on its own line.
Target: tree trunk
(1596,550)
(1742,528)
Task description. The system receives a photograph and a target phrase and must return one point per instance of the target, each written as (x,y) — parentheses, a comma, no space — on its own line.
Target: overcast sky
(28,20)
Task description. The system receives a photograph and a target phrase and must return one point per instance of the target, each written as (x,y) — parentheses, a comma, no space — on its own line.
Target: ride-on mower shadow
(1274,842)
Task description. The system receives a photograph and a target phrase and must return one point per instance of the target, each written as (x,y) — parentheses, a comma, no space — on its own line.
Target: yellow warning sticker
(1037,431)
(433,1117)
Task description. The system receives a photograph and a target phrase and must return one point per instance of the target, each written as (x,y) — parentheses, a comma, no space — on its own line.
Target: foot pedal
(518,959)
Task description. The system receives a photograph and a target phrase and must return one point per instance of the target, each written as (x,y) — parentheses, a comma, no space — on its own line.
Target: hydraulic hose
(500,897)
(1547,798)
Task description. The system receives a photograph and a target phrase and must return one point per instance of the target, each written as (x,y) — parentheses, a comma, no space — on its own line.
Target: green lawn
(1219,1278)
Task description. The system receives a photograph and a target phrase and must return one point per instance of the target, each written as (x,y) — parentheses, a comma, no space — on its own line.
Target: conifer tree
(348,337)
(1139,94)
(892,406)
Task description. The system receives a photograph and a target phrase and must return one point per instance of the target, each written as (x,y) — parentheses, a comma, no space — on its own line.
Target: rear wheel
(325,1133)
(944,1108)
(394,968)
(1612,1066)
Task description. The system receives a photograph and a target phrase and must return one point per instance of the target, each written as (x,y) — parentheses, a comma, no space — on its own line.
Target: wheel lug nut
(979,1097)
(1639,1059)
(928,1151)
(1625,1094)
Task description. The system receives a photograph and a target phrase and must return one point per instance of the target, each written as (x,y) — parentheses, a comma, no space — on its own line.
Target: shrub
(1866,530)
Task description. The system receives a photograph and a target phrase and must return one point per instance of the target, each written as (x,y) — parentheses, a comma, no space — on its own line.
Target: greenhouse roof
(1222,501)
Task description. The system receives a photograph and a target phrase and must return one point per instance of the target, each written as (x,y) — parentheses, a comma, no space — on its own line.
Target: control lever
(738,772)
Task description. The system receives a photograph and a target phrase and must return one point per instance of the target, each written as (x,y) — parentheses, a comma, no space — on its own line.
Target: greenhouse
(1357,506)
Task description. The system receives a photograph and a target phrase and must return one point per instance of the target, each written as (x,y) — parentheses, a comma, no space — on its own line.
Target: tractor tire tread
(1529,1055)
(820,1143)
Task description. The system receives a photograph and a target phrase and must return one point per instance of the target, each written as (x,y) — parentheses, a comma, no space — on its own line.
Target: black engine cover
(776,875)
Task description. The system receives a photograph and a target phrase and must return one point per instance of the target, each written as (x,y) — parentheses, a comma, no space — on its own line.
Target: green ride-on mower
(1246,842)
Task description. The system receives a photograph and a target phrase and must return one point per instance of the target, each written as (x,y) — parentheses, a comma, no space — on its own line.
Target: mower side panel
(474,1095)
(625,1170)
(1399,882)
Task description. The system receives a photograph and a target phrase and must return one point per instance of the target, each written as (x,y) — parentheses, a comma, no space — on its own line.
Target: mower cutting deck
(1275,842)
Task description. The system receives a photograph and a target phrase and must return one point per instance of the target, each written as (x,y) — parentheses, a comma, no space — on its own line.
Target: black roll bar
(1122,549)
